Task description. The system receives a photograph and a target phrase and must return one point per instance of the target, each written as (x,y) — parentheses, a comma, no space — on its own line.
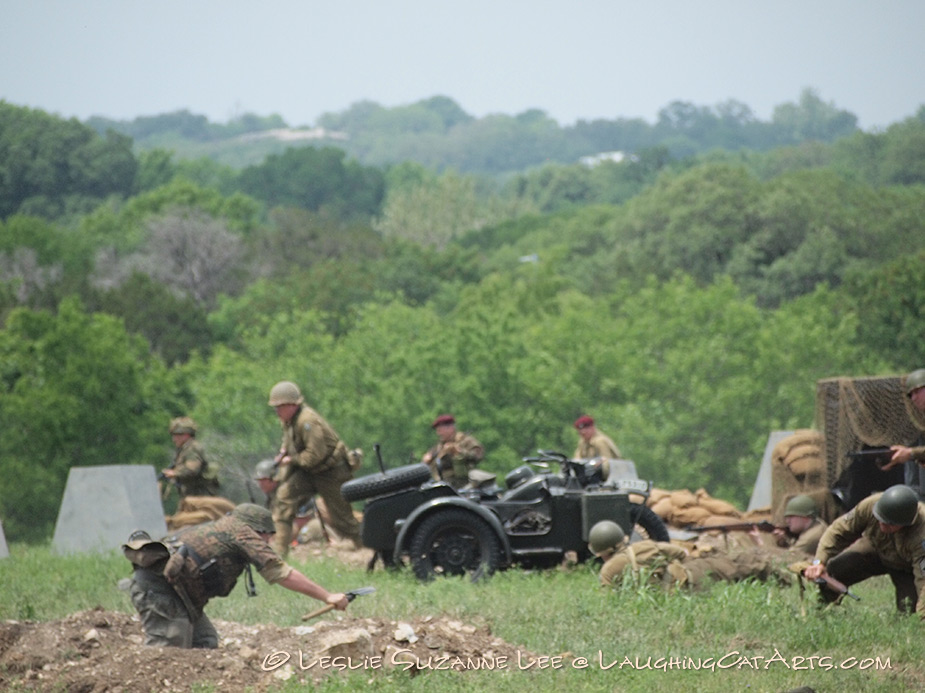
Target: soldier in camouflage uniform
(884,534)
(454,455)
(312,460)
(593,443)
(190,470)
(804,528)
(175,578)
(669,564)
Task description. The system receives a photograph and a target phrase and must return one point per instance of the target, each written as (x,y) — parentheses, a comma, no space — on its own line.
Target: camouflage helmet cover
(265,469)
(182,424)
(898,505)
(915,380)
(255,516)
(285,392)
(605,535)
(800,506)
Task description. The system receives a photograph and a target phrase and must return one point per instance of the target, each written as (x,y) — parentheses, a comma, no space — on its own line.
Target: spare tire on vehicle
(379,484)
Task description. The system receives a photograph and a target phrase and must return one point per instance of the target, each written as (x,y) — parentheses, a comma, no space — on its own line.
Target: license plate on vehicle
(631,485)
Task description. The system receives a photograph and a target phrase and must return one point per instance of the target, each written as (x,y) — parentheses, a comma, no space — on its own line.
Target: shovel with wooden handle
(351,595)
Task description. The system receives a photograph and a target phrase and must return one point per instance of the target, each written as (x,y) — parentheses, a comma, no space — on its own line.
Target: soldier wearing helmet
(881,535)
(312,460)
(175,578)
(593,443)
(669,564)
(190,471)
(913,456)
(803,528)
(455,454)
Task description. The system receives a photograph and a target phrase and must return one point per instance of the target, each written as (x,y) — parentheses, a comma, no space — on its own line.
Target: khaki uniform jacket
(312,443)
(902,550)
(654,555)
(809,540)
(599,446)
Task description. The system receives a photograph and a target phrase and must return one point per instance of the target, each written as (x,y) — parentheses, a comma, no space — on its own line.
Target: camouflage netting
(851,414)
(856,412)
(798,467)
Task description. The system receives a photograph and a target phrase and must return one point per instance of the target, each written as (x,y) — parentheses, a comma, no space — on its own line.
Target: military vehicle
(540,515)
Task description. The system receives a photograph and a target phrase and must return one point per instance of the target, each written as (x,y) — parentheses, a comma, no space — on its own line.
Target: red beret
(443,419)
(583,421)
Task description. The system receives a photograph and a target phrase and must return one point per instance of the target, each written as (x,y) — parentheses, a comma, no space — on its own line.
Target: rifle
(835,585)
(165,491)
(763,526)
(880,456)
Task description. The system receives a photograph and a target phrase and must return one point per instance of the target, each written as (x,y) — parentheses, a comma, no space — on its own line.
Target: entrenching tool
(351,595)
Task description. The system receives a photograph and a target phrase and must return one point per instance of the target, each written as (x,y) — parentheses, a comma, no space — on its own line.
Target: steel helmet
(898,505)
(915,380)
(801,506)
(182,424)
(265,469)
(605,535)
(285,392)
(255,516)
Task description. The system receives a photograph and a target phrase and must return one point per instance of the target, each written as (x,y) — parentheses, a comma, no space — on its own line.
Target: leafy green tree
(438,210)
(174,326)
(77,391)
(812,119)
(316,180)
(41,263)
(46,162)
(890,303)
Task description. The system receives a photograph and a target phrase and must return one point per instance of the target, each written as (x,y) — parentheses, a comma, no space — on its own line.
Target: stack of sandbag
(797,466)
(683,508)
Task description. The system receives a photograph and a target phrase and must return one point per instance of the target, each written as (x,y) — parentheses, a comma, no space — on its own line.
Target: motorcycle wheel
(393,480)
(646,524)
(454,542)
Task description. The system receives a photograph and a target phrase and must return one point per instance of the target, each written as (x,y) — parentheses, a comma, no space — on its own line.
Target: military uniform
(854,548)
(668,564)
(599,445)
(319,466)
(206,563)
(194,475)
(913,471)
(808,539)
(452,460)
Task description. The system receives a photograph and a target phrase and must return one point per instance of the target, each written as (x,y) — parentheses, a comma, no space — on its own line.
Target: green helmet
(255,516)
(915,380)
(898,505)
(265,469)
(182,424)
(605,535)
(285,392)
(801,506)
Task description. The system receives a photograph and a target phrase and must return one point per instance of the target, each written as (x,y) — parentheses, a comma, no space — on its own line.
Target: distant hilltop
(293,135)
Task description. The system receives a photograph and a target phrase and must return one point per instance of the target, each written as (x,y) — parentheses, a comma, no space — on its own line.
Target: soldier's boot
(283,538)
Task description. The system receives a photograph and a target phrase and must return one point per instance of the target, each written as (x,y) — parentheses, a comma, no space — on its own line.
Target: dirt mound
(96,650)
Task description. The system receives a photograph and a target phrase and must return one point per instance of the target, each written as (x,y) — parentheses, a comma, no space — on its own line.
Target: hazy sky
(574,59)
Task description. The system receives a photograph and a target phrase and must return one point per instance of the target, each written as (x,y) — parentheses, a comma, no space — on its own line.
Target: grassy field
(747,636)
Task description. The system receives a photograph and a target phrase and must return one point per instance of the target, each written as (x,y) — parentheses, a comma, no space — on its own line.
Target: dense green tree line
(438,133)
(689,307)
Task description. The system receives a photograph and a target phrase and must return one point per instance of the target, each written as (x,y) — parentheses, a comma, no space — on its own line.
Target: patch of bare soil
(95,651)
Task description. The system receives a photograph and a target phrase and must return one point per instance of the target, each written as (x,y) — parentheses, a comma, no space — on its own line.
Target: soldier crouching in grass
(884,534)
(171,588)
(668,564)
